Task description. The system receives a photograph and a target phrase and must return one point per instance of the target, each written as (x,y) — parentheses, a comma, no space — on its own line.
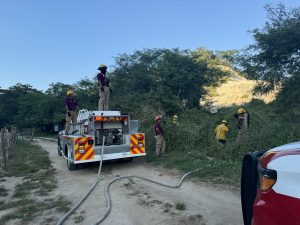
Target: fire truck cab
(83,143)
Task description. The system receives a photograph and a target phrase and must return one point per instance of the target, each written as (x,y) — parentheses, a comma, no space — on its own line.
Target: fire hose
(107,193)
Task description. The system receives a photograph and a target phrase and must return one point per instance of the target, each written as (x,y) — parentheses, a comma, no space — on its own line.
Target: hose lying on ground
(107,193)
(66,216)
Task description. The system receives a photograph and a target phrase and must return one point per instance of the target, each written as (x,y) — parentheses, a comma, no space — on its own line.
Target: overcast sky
(65,40)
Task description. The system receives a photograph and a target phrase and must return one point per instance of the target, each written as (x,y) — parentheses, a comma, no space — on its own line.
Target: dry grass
(235,92)
(32,197)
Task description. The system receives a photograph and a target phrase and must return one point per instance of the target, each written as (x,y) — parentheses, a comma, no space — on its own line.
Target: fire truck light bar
(111,118)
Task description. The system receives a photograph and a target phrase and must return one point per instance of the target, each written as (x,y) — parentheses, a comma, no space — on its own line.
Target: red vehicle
(270,186)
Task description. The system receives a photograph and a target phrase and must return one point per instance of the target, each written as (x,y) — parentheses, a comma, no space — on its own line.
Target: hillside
(234,90)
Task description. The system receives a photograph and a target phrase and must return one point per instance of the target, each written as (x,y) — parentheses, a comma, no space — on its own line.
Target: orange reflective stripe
(88,149)
(91,155)
(134,148)
(132,151)
(137,147)
(89,152)
(78,140)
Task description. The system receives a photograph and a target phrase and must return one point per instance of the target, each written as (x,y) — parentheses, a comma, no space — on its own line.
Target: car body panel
(281,204)
(288,175)
(275,209)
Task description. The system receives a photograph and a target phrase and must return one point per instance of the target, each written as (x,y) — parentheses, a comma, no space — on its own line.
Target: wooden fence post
(14,135)
(32,133)
(6,145)
(1,147)
(7,140)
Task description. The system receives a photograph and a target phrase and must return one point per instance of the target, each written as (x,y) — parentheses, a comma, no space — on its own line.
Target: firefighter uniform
(71,106)
(221,132)
(175,120)
(160,147)
(104,90)
(243,119)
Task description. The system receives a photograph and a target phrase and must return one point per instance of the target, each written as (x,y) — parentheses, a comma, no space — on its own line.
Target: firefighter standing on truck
(160,147)
(71,107)
(221,132)
(104,90)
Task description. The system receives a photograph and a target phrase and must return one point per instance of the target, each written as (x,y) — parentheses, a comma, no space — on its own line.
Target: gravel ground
(136,202)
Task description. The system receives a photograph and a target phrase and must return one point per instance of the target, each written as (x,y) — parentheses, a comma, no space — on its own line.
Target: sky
(49,41)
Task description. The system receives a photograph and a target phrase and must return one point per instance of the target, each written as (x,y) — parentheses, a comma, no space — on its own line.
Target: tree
(87,93)
(161,78)
(10,102)
(35,110)
(274,58)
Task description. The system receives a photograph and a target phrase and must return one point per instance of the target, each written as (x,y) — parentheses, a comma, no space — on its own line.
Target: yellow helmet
(175,117)
(241,110)
(102,66)
(70,92)
(224,121)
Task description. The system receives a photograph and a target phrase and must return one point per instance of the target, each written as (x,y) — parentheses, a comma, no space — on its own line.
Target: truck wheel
(130,159)
(70,164)
(59,148)
(248,186)
(249,179)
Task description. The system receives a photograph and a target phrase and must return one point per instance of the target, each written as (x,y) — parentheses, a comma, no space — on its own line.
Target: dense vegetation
(169,81)
(274,58)
(161,78)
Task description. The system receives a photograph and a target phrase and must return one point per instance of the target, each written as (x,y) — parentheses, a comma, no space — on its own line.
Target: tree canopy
(163,78)
(167,80)
(274,58)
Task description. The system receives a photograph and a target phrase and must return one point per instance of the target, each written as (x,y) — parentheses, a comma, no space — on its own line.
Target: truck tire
(59,148)
(249,180)
(130,159)
(70,164)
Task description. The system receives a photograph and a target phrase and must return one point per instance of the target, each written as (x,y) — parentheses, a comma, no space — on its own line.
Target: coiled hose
(107,193)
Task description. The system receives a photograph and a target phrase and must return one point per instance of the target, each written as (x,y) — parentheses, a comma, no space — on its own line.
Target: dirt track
(136,202)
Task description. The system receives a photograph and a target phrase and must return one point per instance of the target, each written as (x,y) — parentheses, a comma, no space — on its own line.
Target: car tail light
(140,138)
(267,178)
(81,146)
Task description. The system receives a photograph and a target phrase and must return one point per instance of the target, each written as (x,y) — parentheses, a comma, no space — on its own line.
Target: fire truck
(83,143)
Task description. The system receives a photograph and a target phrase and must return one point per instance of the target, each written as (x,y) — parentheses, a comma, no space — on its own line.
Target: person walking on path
(221,132)
(71,105)
(104,90)
(160,147)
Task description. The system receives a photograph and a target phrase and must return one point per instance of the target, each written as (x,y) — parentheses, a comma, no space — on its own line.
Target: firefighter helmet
(70,92)
(102,66)
(224,121)
(158,117)
(241,110)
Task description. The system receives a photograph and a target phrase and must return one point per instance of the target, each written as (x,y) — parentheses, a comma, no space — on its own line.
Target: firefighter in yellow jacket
(221,132)
(175,120)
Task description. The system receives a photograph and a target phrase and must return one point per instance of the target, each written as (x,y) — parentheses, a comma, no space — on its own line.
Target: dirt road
(136,202)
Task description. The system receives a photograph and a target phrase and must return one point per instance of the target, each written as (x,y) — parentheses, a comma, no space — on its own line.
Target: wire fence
(7,140)
(26,134)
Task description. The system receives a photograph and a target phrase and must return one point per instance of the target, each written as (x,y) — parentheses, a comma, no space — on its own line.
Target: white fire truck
(83,143)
